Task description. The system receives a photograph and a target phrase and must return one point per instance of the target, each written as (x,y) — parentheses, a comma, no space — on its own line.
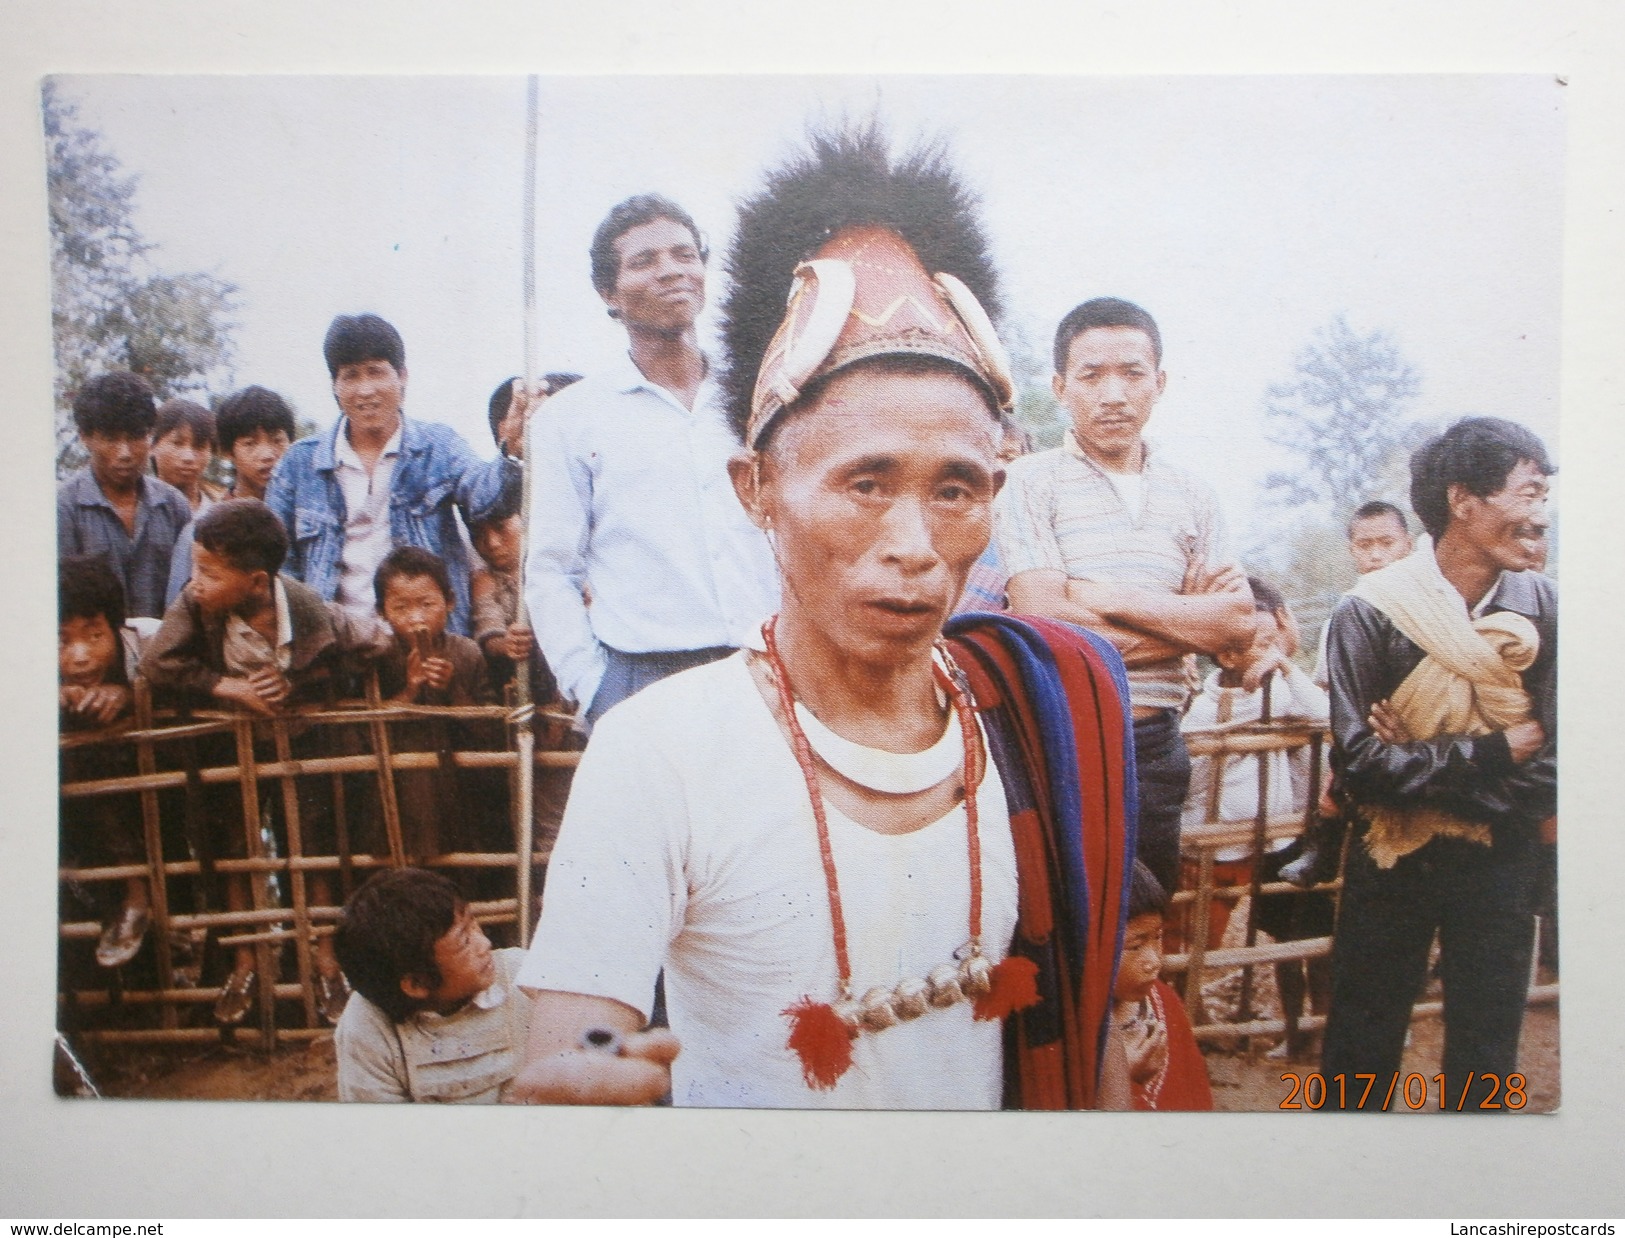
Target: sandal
(236,998)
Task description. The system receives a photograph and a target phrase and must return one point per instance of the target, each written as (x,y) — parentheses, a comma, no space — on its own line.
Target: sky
(1243,212)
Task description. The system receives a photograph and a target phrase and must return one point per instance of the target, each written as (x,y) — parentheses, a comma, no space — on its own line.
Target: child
(437,1016)
(242,635)
(183,449)
(500,626)
(1166,1070)
(427,665)
(94,692)
(1235,693)
(1225,789)
(254,427)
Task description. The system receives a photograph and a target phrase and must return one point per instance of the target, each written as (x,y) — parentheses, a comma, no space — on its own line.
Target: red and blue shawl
(1053,700)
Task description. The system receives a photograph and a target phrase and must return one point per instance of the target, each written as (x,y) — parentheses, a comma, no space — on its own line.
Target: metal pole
(526,738)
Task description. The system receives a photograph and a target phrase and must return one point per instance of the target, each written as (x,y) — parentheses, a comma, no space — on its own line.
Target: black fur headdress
(845,177)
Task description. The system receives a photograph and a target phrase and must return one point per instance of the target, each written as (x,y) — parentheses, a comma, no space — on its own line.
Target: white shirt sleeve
(556,566)
(617,885)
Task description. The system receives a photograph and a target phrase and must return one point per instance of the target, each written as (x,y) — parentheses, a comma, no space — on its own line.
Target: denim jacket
(436,475)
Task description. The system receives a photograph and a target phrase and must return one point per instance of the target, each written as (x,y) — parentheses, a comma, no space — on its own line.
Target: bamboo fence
(169,783)
(177,1010)
(1201,961)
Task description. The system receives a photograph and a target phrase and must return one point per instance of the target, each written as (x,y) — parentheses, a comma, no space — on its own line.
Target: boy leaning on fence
(244,636)
(94,692)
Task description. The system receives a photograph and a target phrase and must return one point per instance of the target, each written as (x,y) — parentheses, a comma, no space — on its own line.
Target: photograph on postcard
(941,593)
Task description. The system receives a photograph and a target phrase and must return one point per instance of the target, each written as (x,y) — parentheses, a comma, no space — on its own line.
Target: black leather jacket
(1472,778)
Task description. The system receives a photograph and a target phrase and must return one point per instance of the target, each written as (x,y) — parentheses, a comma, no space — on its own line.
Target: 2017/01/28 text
(1414,1091)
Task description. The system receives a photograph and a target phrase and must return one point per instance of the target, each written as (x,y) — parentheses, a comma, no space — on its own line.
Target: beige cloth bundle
(1470,683)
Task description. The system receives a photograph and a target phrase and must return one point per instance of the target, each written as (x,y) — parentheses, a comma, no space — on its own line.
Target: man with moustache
(630,499)
(1105,533)
(838,844)
(1444,728)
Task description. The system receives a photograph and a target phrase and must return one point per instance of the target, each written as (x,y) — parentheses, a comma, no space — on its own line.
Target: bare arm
(1051,594)
(1202,622)
(558,1071)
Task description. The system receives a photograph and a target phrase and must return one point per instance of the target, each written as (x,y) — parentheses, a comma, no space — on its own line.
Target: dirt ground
(1242,1081)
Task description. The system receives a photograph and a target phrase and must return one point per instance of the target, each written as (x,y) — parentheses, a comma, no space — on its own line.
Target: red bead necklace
(821,1033)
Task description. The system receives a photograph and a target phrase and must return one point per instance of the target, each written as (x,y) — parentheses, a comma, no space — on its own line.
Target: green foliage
(110,307)
(1343,413)
(1036,407)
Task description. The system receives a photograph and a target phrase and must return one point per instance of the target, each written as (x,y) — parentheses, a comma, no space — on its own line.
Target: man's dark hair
(87,586)
(410,561)
(354,338)
(245,533)
(552,383)
(1267,599)
(1104,312)
(1145,893)
(116,403)
(1478,453)
(636,211)
(173,414)
(387,934)
(1379,507)
(248,410)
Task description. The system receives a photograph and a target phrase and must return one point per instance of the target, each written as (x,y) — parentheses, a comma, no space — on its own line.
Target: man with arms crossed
(630,496)
(809,837)
(1104,533)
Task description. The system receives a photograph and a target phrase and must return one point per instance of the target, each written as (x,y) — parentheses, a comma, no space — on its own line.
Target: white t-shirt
(689,844)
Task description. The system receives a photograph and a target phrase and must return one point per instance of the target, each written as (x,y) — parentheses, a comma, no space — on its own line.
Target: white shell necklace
(890,773)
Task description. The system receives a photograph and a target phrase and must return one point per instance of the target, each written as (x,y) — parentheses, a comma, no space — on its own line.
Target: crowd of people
(883,797)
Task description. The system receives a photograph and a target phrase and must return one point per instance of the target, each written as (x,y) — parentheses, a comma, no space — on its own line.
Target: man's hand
(1386,725)
(1227,578)
(242,693)
(99,703)
(511,429)
(1524,739)
(1147,1052)
(639,1075)
(519,642)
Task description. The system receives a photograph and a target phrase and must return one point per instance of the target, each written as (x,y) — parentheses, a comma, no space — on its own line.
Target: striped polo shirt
(1059,511)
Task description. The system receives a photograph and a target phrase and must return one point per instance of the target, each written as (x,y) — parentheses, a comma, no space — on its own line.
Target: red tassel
(1015,987)
(821,1041)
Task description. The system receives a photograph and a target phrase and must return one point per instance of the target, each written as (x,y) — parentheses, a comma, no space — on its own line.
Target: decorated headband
(865,294)
(848,253)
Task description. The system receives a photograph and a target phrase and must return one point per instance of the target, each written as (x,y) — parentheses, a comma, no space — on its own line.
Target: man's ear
(1057,384)
(745,472)
(414,988)
(1162,382)
(1456,497)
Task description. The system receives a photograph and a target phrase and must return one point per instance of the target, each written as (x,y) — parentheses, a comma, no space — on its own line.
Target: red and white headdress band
(865,294)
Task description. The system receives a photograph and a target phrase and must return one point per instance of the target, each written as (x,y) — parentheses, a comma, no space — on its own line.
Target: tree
(1343,414)
(111,308)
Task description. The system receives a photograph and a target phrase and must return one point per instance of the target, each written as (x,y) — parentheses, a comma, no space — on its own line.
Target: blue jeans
(627,674)
(1164,768)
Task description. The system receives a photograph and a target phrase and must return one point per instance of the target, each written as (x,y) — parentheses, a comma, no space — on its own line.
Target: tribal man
(878,871)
